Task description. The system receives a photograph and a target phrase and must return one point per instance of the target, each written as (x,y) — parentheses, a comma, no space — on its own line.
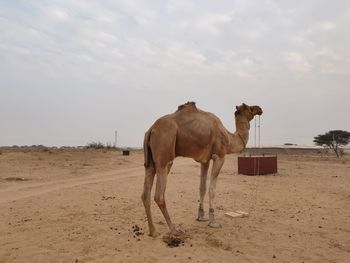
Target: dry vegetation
(83,205)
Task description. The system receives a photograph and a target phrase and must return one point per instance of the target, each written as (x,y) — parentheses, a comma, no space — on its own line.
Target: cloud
(325,45)
(173,6)
(330,62)
(257,30)
(59,14)
(327,25)
(213,23)
(184,59)
(297,62)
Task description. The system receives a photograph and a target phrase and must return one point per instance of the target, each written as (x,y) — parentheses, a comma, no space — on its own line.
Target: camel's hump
(187,105)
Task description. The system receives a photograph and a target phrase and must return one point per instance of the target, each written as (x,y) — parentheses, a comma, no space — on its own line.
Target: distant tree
(333,140)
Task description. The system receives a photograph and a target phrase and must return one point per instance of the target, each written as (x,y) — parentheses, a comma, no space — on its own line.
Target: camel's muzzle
(259,111)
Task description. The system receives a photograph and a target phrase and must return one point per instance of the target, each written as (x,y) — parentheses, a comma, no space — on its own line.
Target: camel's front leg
(217,165)
(202,190)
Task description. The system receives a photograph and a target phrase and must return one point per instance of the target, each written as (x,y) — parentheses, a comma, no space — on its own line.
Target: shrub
(99,145)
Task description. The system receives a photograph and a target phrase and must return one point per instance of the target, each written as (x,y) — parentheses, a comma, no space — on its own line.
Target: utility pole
(115,138)
(259,128)
(255,133)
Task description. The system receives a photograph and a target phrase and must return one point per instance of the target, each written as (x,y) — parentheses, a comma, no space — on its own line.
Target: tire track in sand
(28,189)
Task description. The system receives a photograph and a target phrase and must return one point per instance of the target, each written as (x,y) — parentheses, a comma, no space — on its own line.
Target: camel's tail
(147,150)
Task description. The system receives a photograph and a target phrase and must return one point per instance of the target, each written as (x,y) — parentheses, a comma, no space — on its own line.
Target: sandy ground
(84,206)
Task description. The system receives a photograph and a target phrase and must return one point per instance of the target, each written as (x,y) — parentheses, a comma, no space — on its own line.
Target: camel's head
(248,111)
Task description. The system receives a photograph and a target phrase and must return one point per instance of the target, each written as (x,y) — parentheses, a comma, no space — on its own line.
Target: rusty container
(257,165)
(126,152)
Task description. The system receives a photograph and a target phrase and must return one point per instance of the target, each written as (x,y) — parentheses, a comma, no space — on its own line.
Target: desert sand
(85,206)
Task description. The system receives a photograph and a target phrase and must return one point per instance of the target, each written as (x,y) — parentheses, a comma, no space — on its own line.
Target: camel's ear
(244,105)
(236,107)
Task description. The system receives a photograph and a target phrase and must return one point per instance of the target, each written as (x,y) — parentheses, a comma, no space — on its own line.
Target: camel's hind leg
(146,197)
(162,174)
(202,190)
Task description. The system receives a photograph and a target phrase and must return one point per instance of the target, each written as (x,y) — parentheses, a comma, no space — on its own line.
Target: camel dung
(175,240)
(137,230)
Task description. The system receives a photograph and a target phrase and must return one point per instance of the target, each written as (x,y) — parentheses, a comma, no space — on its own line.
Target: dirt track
(83,206)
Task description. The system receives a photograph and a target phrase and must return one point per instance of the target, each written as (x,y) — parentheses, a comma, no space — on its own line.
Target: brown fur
(190,132)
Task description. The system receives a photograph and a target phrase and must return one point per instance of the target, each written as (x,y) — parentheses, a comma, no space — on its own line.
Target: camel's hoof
(153,234)
(214,225)
(202,219)
(177,233)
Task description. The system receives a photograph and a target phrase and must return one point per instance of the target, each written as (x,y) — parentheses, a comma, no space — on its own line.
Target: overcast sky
(73,72)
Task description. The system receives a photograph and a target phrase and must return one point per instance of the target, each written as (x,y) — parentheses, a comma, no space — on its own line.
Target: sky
(74,72)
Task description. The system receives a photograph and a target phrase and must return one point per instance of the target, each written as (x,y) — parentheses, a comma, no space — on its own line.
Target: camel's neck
(239,139)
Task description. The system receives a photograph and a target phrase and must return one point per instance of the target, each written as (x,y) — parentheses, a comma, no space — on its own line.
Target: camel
(191,132)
